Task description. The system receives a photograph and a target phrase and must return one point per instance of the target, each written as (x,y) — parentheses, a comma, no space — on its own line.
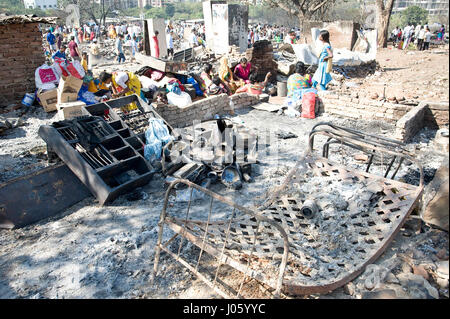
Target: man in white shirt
(124,28)
(193,39)
(169,40)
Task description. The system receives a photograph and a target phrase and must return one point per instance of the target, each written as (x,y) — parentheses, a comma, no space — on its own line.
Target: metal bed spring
(279,214)
(219,252)
(363,141)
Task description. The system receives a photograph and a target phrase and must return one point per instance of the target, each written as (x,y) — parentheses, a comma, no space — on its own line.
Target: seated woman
(254,88)
(298,83)
(206,77)
(242,70)
(226,76)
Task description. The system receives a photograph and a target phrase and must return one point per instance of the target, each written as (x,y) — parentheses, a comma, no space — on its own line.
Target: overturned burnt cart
(98,155)
(304,238)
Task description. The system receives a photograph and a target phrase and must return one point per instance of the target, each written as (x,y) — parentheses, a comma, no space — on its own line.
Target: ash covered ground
(89,251)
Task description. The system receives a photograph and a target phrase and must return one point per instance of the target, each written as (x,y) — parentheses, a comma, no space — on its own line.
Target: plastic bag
(60,66)
(46,77)
(198,91)
(157,135)
(291,112)
(181,100)
(308,103)
(76,69)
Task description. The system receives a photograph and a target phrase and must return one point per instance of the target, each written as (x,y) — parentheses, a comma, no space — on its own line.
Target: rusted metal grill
(282,248)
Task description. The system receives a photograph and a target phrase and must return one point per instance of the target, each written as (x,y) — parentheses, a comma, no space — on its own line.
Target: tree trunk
(382,27)
(383,16)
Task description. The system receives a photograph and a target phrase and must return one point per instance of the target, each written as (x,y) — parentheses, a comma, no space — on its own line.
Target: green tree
(415,15)
(169,10)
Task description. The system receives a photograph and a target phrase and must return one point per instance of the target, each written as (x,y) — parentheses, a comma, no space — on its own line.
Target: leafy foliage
(415,15)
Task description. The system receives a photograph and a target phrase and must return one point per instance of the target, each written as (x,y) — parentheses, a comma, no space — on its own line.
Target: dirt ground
(405,75)
(90,251)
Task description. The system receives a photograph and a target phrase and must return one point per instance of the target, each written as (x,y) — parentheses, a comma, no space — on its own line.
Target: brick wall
(408,119)
(204,109)
(436,114)
(411,123)
(20,54)
(362,108)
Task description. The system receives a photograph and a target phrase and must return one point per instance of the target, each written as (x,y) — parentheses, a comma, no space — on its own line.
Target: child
(218,86)
(133,44)
(254,88)
(322,76)
(84,62)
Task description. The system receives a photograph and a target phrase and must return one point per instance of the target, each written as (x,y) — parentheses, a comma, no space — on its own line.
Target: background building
(120,4)
(41,4)
(434,7)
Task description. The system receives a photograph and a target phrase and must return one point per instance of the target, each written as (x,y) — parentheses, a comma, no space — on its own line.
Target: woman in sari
(322,76)
(226,76)
(254,87)
(123,84)
(298,84)
(206,77)
(243,69)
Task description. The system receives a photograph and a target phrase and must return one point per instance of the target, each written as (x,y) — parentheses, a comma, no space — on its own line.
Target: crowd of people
(274,33)
(64,44)
(419,35)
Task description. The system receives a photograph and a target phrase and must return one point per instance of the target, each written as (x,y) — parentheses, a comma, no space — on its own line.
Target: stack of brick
(362,108)
(20,55)
(204,109)
(410,123)
(436,114)
(261,56)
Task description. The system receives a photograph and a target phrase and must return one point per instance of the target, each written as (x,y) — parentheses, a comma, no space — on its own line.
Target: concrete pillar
(230,27)
(160,26)
(208,18)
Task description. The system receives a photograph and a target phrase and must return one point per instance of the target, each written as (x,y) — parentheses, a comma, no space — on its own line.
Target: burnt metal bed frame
(280,248)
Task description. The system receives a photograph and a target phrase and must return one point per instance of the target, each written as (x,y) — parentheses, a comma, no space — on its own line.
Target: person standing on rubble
(74,51)
(59,39)
(133,45)
(169,40)
(80,35)
(426,43)
(193,39)
(119,49)
(420,38)
(51,40)
(94,54)
(322,76)
(155,45)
